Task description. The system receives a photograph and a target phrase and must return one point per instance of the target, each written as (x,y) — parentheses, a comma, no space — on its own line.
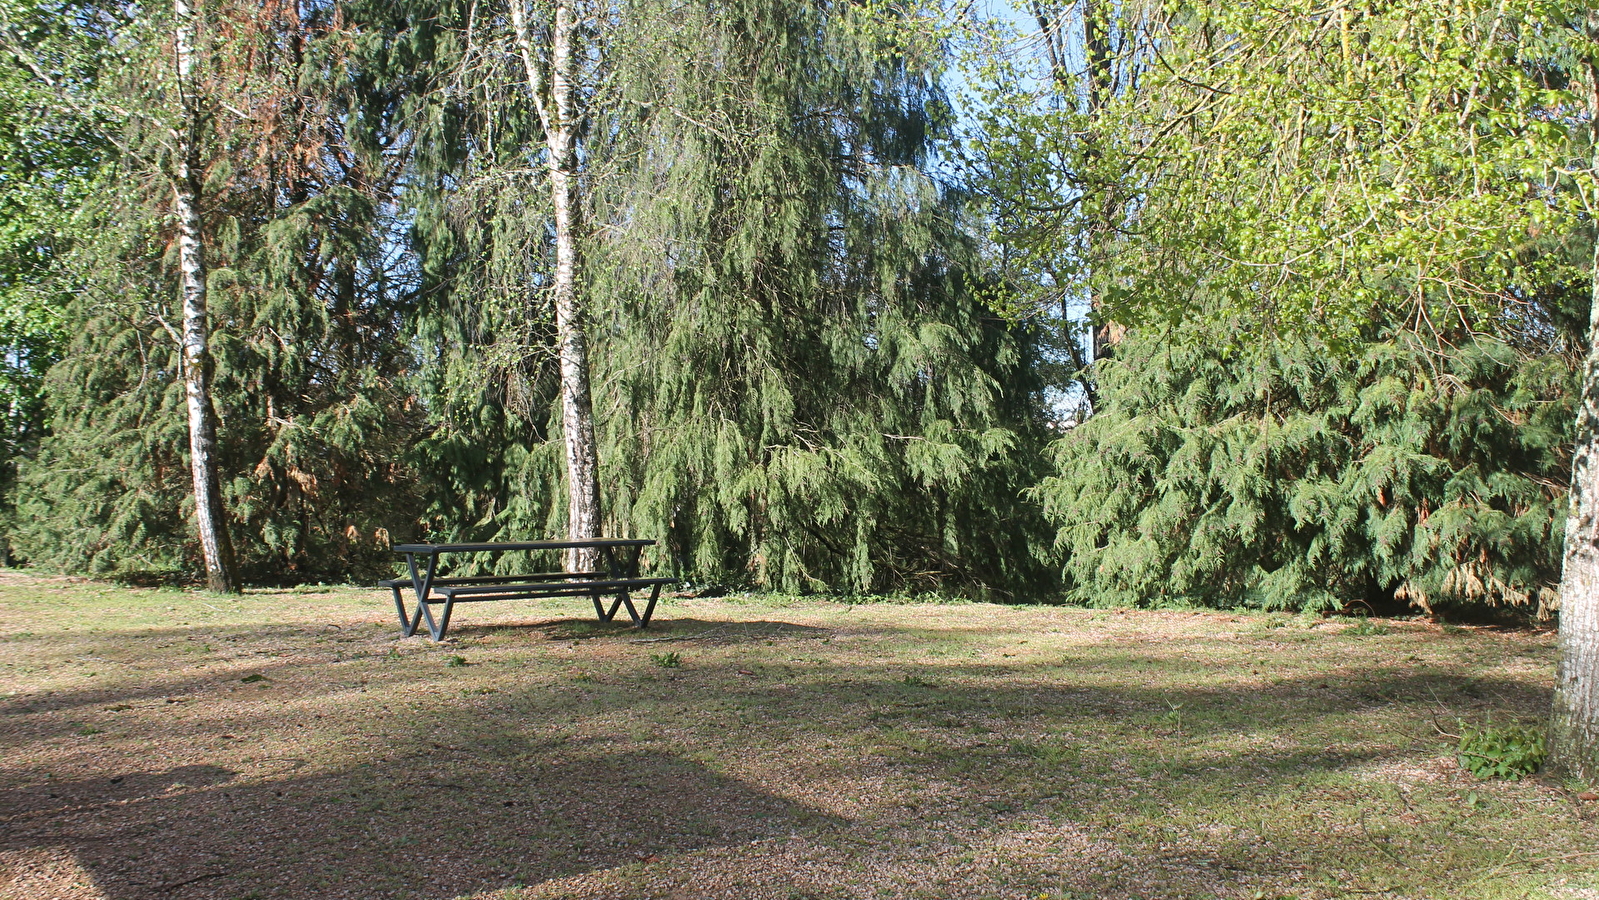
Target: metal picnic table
(619,579)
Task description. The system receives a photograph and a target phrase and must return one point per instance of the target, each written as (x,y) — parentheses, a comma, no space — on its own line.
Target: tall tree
(557,95)
(812,393)
(1044,154)
(49,167)
(1317,169)
(801,385)
(307,142)
(1111,41)
(187,194)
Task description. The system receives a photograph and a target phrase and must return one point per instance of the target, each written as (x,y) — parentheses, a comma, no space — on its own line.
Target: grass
(797,749)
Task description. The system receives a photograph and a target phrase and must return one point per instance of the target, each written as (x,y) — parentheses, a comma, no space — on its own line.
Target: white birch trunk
(560,121)
(209,519)
(1574,726)
(1574,735)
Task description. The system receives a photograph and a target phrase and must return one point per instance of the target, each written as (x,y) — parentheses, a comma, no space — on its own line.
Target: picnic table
(617,582)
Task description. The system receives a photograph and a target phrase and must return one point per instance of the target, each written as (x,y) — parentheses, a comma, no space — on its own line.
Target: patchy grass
(290,745)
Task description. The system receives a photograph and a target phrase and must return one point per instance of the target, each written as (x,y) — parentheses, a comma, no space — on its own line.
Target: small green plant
(666,660)
(916,681)
(1048,754)
(1365,626)
(1173,716)
(1508,751)
(87,730)
(253,678)
(454,662)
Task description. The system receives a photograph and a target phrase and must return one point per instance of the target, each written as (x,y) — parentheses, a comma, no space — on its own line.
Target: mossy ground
(289,744)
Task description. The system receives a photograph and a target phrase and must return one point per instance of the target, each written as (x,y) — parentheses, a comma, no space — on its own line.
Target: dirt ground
(162,744)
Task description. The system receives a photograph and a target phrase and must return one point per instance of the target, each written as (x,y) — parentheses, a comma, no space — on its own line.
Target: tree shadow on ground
(415,828)
(552,774)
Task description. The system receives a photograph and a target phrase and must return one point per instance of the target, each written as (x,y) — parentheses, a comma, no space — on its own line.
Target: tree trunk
(1098,198)
(1574,726)
(1574,733)
(209,518)
(560,120)
(1099,202)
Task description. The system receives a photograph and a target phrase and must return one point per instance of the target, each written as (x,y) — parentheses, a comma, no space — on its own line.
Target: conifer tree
(306,157)
(811,394)
(1284,476)
(796,384)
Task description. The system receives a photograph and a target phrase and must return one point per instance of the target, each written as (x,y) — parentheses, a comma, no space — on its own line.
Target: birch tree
(187,196)
(552,66)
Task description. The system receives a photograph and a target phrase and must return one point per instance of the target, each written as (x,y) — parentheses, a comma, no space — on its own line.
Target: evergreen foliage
(808,395)
(306,311)
(795,386)
(798,378)
(49,167)
(1283,476)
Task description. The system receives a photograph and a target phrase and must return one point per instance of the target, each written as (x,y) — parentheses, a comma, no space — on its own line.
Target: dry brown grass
(287,744)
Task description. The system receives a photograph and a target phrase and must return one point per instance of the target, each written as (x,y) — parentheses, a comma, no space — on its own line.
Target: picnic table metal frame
(620,578)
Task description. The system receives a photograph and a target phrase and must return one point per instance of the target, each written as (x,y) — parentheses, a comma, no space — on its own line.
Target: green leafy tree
(1320,169)
(1042,152)
(49,168)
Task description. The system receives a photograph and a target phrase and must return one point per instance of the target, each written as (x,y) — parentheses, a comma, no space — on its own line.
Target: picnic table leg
(617,571)
(622,599)
(649,609)
(608,557)
(405,615)
(422,584)
(444,620)
(599,608)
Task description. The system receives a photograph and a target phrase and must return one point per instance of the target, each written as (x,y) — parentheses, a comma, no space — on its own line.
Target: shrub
(1508,752)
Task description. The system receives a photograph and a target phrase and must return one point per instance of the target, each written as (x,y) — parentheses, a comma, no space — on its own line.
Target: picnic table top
(522,545)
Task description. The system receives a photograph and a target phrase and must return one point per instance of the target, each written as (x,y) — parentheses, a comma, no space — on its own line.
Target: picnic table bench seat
(616,583)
